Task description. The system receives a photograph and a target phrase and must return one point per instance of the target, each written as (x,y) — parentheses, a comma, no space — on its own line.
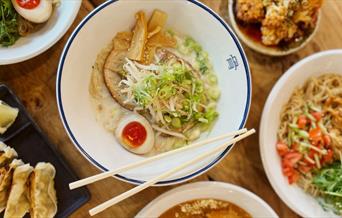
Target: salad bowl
(302,203)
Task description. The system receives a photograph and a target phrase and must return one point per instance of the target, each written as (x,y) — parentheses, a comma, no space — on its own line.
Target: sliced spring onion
(303,134)
(312,118)
(203,120)
(333,194)
(293,126)
(314,108)
(168,119)
(176,122)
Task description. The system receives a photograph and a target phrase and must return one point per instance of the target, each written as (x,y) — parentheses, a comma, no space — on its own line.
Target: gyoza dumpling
(6,174)
(18,200)
(42,192)
(7,154)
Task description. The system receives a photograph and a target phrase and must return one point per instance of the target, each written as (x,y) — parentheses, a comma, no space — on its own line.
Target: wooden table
(34,82)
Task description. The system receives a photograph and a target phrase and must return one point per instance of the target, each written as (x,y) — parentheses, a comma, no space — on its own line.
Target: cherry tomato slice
(315,134)
(293,178)
(327,140)
(287,171)
(282,148)
(317,115)
(291,158)
(328,157)
(28,4)
(302,121)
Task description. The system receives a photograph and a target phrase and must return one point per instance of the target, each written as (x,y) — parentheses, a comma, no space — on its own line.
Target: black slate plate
(33,146)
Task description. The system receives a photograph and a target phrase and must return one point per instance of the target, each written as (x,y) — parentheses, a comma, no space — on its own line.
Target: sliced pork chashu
(112,69)
(113,72)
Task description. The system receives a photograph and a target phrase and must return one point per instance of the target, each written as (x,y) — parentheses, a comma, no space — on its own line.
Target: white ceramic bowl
(243,198)
(262,48)
(34,44)
(315,65)
(93,34)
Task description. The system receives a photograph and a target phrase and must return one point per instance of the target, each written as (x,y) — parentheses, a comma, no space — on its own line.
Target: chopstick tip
(91,212)
(71,186)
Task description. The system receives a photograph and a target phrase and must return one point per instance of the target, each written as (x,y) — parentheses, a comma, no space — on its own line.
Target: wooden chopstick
(154,180)
(110,173)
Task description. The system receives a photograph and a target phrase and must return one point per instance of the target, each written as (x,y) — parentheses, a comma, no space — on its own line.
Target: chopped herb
(9,33)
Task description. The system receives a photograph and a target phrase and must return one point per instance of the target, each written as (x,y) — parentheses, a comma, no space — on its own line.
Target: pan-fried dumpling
(18,200)
(7,154)
(42,192)
(6,174)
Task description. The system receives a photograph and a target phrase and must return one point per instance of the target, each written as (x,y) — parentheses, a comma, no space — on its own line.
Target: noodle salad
(310,140)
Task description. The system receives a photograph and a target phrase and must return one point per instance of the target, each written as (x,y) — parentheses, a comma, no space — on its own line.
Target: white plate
(34,44)
(96,31)
(243,198)
(315,65)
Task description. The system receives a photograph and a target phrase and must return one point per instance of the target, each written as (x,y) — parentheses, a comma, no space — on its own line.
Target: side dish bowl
(243,198)
(187,16)
(312,66)
(36,43)
(259,47)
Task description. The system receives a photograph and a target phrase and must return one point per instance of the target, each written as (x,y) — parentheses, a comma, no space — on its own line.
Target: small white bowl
(37,42)
(96,31)
(272,51)
(243,198)
(312,66)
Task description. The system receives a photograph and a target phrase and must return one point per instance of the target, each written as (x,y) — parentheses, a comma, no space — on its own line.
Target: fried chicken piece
(276,26)
(307,12)
(250,11)
(312,4)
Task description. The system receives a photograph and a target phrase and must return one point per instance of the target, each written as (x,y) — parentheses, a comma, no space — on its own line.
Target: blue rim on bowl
(93,161)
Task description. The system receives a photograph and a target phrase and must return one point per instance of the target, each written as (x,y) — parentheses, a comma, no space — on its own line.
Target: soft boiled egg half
(36,11)
(135,134)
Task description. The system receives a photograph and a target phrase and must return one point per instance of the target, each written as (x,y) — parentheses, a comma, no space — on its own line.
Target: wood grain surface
(34,82)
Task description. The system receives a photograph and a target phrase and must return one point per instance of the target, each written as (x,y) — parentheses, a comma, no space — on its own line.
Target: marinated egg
(135,134)
(36,11)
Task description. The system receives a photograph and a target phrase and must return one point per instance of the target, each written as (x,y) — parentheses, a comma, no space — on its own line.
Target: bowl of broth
(207,199)
(190,66)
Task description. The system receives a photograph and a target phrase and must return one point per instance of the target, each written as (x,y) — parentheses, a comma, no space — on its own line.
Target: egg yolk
(28,4)
(134,134)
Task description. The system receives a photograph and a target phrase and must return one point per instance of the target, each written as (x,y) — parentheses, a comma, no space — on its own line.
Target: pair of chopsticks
(242,133)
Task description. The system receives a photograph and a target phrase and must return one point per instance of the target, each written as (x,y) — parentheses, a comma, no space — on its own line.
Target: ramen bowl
(312,66)
(261,48)
(188,17)
(243,198)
